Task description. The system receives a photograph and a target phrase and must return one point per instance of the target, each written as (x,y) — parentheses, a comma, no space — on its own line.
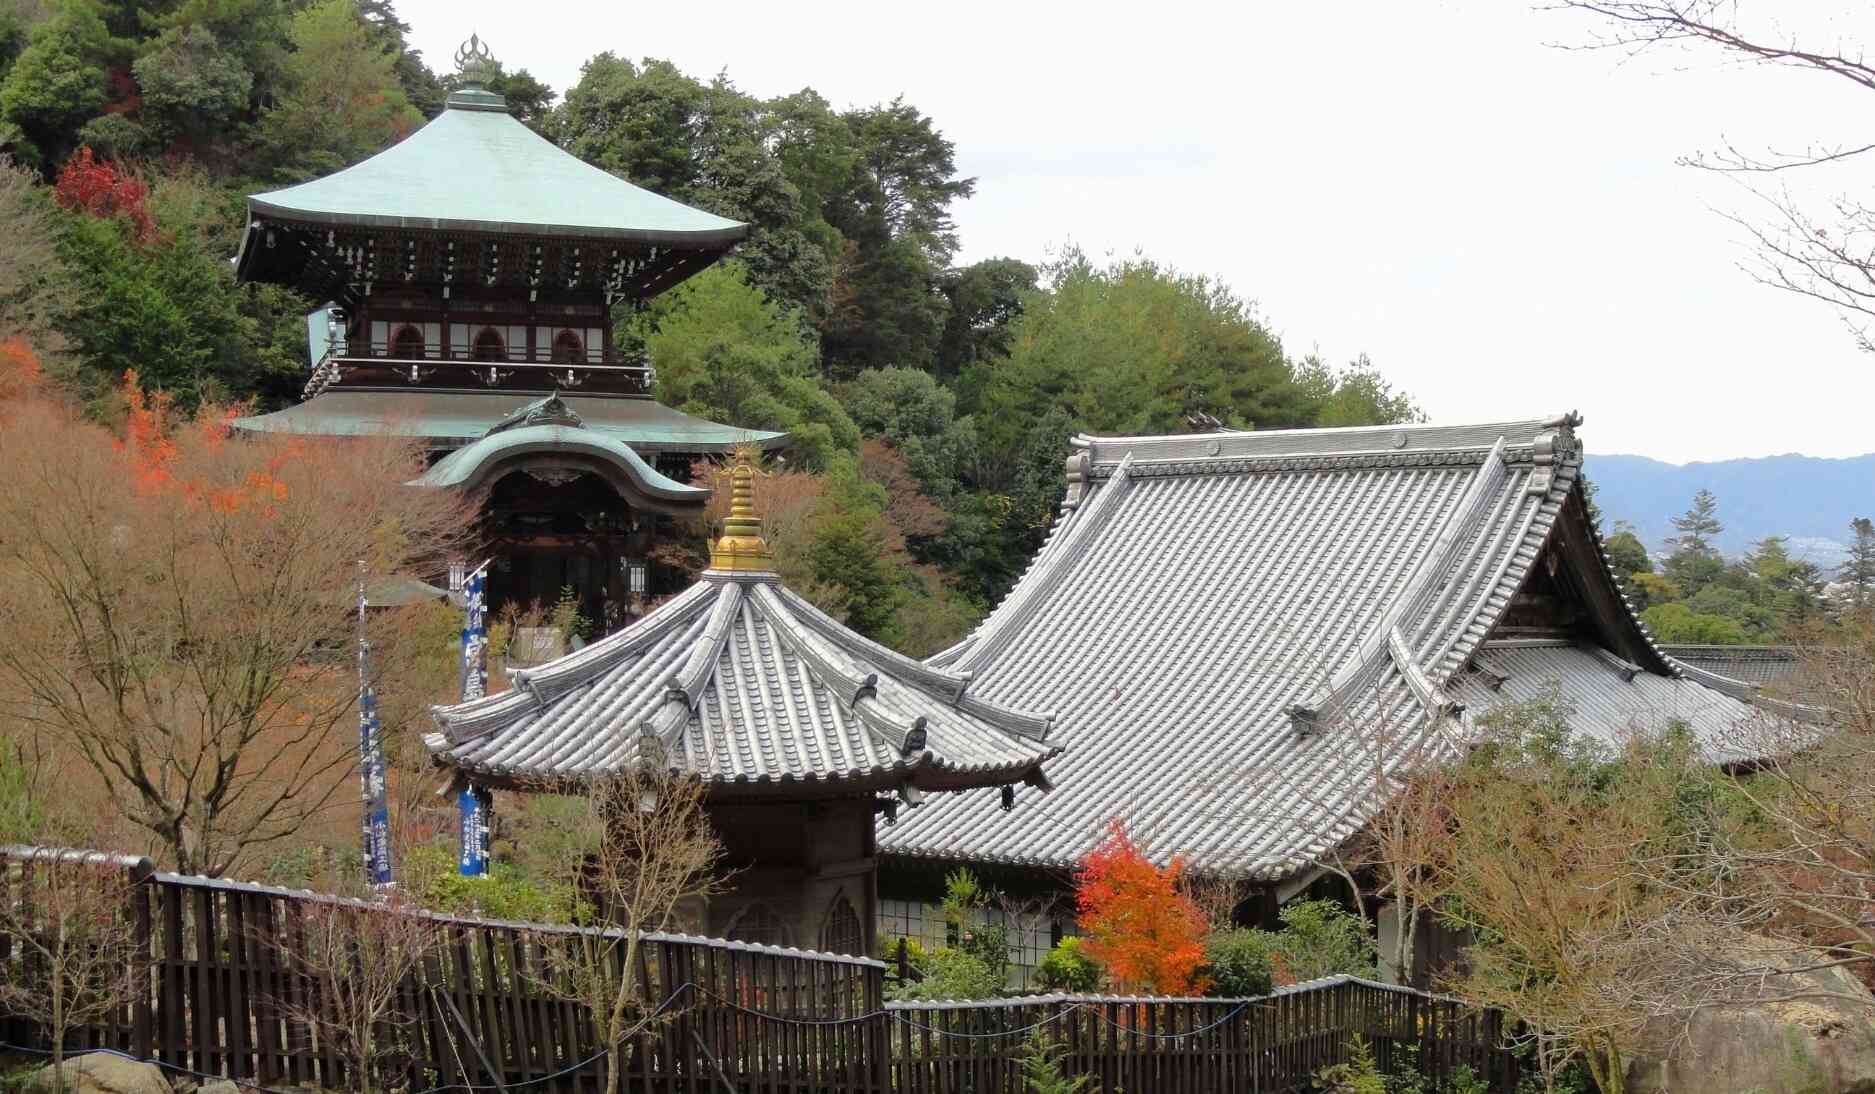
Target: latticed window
(842,933)
(568,348)
(407,342)
(760,924)
(490,345)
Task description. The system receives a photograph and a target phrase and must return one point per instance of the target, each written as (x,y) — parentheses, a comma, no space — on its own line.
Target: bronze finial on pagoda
(475,62)
(742,548)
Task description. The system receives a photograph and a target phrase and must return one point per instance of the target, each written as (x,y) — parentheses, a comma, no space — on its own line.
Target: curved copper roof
(477,169)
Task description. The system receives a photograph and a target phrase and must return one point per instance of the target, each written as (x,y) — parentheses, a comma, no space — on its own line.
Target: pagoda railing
(462,368)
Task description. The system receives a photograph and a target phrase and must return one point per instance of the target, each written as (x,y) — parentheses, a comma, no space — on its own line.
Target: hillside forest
(928,401)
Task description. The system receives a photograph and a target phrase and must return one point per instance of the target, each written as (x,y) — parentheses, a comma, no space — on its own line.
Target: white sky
(1498,223)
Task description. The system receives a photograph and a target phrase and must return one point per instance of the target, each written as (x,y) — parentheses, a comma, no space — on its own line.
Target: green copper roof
(475,168)
(474,464)
(451,419)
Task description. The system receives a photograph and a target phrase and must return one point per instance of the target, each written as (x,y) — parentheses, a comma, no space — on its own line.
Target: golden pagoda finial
(742,548)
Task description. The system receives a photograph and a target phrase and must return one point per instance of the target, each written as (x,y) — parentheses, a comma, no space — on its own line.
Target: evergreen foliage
(1067,968)
(935,400)
(1041,1068)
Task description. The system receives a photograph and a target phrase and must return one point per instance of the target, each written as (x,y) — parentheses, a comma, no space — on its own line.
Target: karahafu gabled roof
(1247,637)
(744,684)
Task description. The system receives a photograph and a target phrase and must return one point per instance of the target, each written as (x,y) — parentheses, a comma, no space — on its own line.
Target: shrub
(1041,1068)
(952,974)
(1321,938)
(1359,1075)
(1066,968)
(1239,962)
(502,893)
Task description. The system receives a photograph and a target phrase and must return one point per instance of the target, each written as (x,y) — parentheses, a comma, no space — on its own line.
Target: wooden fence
(220,991)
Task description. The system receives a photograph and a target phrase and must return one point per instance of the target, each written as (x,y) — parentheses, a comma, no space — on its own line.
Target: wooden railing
(737,1017)
(467,367)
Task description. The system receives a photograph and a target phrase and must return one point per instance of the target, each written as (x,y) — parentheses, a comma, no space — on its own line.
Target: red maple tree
(89,185)
(1146,933)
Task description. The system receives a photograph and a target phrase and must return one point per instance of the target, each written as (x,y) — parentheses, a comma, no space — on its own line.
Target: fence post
(877,1036)
(142,1012)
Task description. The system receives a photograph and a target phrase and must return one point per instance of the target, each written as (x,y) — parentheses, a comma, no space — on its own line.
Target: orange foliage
(20,372)
(196,691)
(1140,925)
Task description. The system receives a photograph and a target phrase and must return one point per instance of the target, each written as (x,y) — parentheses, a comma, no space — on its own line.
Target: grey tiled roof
(1244,636)
(744,683)
(1608,705)
(1755,664)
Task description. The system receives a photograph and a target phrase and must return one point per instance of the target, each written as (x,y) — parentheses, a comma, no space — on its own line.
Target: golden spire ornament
(742,548)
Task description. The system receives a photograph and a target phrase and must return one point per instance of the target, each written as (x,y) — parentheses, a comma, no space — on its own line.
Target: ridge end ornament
(476,63)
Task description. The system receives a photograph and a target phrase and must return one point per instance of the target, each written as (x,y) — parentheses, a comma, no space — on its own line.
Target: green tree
(849,557)
(724,351)
(252,33)
(1858,571)
(192,87)
(1676,622)
(1627,555)
(904,182)
(340,99)
(709,145)
(58,81)
(1695,561)
(420,85)
(886,304)
(1786,587)
(983,300)
(1134,347)
(170,309)
(1355,395)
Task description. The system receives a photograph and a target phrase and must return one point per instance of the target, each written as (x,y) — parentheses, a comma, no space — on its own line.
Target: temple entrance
(555,530)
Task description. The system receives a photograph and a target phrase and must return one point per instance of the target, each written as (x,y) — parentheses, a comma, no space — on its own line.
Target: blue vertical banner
(474,804)
(377,813)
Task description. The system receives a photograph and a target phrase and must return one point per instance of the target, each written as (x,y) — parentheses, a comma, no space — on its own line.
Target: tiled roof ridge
(534,688)
(1555,480)
(1403,442)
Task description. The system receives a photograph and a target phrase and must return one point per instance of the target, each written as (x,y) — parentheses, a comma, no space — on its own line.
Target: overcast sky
(1498,223)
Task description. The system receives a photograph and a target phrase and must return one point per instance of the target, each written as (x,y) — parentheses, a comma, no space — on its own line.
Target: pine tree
(1859,571)
(1696,562)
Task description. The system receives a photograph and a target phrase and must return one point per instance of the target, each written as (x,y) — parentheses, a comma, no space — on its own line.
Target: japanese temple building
(1246,637)
(473,270)
(802,730)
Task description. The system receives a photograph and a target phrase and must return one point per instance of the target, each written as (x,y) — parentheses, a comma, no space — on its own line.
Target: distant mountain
(1808,499)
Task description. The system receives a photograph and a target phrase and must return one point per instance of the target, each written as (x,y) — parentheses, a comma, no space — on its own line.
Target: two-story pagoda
(799,729)
(473,269)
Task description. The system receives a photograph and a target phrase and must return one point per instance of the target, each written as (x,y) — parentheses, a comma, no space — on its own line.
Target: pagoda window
(407,342)
(490,345)
(842,932)
(568,348)
(760,924)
